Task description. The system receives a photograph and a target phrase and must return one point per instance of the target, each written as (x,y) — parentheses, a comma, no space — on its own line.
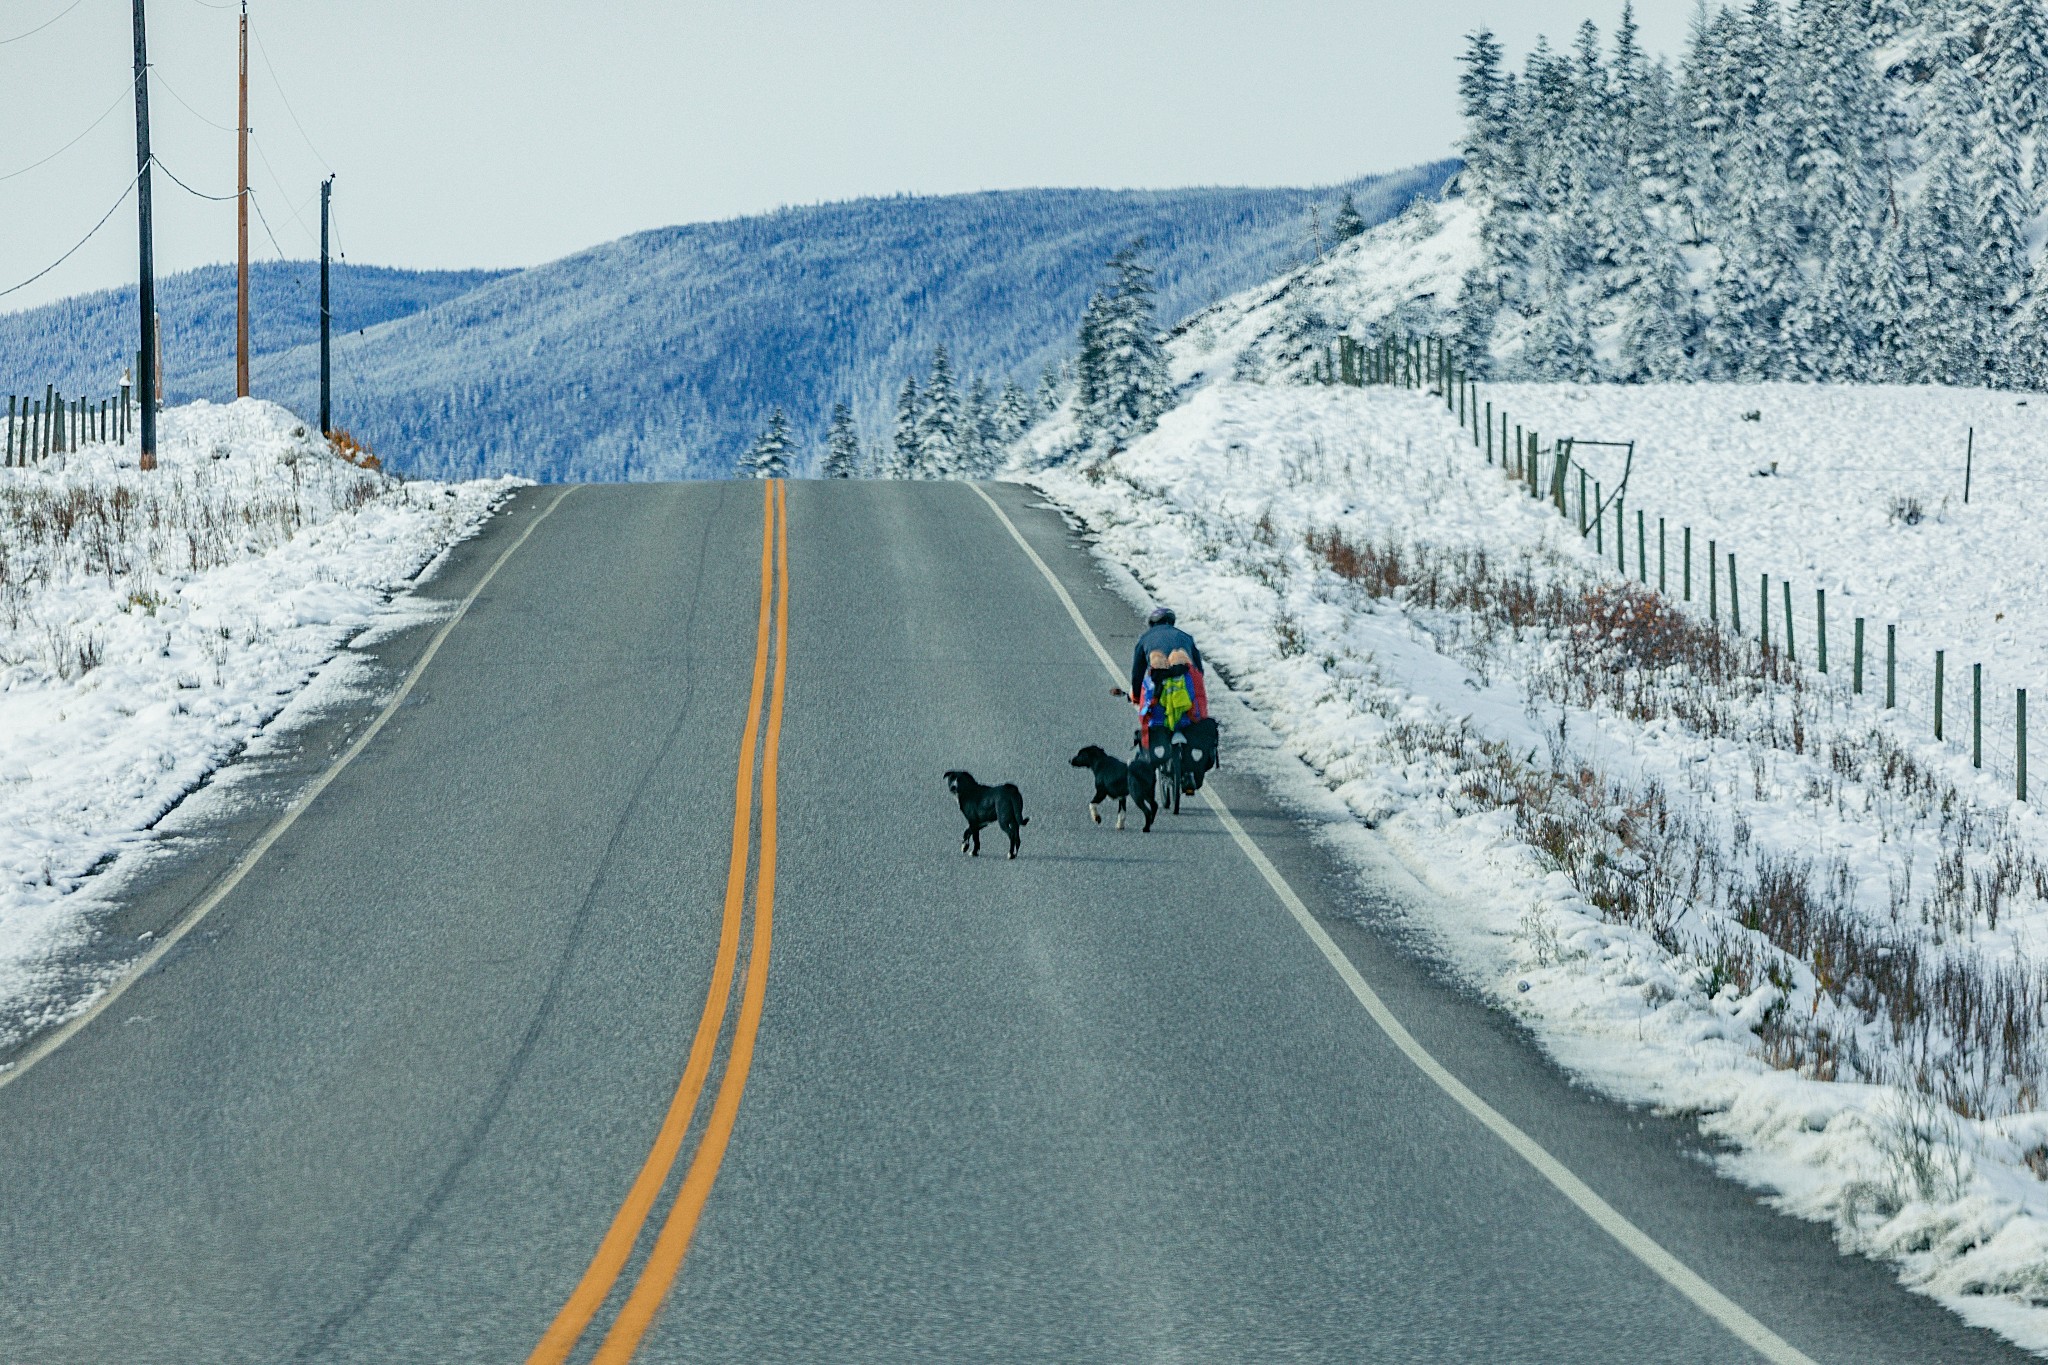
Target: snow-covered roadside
(151,624)
(1856,489)
(1448,735)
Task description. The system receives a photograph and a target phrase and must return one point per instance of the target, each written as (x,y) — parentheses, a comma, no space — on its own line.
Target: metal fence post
(1976,715)
(1891,666)
(1938,660)
(1791,650)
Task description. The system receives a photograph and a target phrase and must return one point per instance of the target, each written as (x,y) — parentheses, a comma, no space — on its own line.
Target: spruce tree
(906,459)
(1051,389)
(842,445)
(1346,223)
(977,431)
(1481,100)
(1123,385)
(769,459)
(938,427)
(1013,413)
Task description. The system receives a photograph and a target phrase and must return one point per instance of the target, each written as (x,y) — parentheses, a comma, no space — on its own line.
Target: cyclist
(1167,685)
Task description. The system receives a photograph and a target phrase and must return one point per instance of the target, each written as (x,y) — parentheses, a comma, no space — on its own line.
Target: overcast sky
(507,132)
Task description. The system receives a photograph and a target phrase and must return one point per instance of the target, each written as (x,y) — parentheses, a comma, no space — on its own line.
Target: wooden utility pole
(242,226)
(146,281)
(326,411)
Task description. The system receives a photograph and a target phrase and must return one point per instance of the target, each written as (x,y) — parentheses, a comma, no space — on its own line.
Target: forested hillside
(1830,189)
(663,354)
(82,344)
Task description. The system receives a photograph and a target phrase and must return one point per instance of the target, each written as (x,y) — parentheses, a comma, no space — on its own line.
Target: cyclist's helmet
(1161,616)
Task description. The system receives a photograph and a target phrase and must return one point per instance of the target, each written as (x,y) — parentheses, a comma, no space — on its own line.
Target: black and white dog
(1001,806)
(1118,779)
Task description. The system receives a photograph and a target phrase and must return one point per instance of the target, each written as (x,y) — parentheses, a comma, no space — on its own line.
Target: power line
(264,52)
(119,100)
(81,241)
(255,199)
(278,181)
(45,24)
(158,77)
(158,162)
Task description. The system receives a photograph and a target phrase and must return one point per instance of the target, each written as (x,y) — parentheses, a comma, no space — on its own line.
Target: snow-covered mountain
(663,354)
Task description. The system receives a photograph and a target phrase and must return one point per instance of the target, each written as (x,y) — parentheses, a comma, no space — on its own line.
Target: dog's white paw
(1094,814)
(1119,819)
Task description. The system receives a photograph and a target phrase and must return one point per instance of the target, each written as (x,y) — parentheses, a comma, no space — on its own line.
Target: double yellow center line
(673,1240)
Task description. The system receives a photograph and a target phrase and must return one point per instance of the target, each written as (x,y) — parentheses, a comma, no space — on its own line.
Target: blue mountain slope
(661,355)
(82,344)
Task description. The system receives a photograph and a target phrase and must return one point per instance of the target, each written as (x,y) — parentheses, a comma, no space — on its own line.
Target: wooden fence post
(1599,522)
(1687,572)
(1660,554)
(1820,626)
(1734,597)
(1642,549)
(1969,458)
(1620,538)
(2020,741)
(9,457)
(1763,611)
(1857,687)
(1489,431)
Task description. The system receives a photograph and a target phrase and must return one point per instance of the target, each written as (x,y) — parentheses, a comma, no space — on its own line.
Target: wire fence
(1954,701)
(39,428)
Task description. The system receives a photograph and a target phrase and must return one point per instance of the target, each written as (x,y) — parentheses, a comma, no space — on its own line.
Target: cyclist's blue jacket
(1163,640)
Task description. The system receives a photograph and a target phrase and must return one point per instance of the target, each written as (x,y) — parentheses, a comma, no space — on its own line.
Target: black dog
(1000,806)
(1116,778)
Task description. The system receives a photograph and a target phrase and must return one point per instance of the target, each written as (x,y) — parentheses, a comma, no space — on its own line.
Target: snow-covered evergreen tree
(980,447)
(769,459)
(906,460)
(1797,204)
(1013,413)
(938,425)
(1051,389)
(1836,122)
(842,445)
(1346,223)
(1122,383)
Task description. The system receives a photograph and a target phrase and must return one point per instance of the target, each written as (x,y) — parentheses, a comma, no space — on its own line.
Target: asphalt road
(1103,1103)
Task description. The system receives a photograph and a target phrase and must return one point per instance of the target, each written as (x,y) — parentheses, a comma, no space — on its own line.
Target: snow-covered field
(152,623)
(1690,904)
(1818,484)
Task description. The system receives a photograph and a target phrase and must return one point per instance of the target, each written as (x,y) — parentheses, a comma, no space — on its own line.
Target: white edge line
(1638,1243)
(140,967)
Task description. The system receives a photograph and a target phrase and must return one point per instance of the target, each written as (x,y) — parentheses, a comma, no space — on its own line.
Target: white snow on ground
(1808,482)
(152,623)
(1459,739)
(1402,276)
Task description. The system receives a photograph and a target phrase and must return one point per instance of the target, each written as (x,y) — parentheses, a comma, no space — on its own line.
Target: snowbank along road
(623,996)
